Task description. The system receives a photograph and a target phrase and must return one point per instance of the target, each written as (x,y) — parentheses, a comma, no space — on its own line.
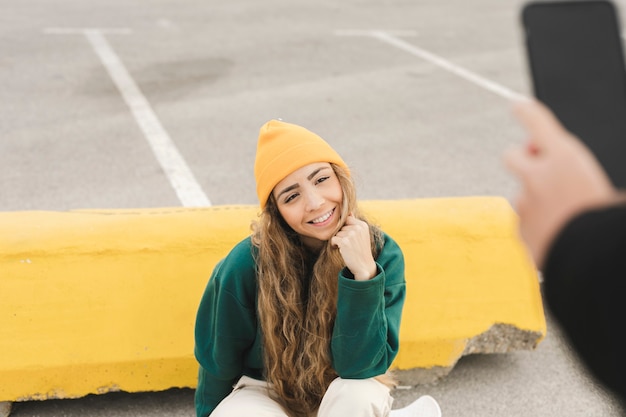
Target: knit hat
(283,148)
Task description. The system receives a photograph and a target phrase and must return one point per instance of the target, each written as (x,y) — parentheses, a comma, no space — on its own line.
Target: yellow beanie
(283,148)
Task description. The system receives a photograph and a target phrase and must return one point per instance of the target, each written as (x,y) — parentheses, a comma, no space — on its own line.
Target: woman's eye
(321,179)
(290,197)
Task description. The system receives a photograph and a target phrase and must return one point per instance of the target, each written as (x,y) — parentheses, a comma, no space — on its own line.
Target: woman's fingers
(354,243)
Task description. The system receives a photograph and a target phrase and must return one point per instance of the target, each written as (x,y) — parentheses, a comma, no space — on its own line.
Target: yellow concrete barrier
(94,301)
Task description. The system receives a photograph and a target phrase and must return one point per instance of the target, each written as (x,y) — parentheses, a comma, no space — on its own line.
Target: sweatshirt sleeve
(585,288)
(225,328)
(366,334)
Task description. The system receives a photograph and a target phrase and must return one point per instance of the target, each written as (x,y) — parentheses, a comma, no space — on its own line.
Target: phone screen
(577,66)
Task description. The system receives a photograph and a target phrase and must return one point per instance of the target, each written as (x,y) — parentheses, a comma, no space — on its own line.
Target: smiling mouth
(323,218)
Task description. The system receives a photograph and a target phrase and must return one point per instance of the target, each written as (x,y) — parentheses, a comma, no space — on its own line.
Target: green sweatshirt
(228,337)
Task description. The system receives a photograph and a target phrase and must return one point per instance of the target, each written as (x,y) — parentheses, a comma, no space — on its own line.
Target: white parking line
(81,31)
(393,40)
(173,164)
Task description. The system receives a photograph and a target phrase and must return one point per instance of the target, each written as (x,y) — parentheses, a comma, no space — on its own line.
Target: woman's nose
(313,200)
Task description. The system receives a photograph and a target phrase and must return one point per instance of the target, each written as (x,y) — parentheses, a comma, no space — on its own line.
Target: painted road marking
(167,154)
(81,31)
(391,38)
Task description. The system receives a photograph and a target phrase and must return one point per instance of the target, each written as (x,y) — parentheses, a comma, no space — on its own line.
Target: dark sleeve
(225,328)
(585,288)
(366,334)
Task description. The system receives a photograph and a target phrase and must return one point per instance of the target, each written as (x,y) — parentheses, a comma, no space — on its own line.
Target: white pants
(344,397)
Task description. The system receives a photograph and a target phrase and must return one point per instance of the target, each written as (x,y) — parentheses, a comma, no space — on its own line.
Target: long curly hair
(297,304)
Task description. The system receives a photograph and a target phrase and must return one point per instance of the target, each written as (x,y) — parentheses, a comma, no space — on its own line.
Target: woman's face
(310,199)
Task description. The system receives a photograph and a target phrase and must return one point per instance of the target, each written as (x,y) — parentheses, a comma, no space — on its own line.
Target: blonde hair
(297,311)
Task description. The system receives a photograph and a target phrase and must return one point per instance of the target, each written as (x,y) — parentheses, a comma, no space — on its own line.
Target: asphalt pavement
(117,104)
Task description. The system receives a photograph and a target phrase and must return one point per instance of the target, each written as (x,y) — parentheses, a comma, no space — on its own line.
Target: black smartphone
(576,61)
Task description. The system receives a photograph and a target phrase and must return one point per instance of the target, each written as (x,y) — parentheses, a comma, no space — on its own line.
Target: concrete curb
(104,300)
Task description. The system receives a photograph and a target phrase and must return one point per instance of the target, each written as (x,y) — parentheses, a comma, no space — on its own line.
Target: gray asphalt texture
(214,72)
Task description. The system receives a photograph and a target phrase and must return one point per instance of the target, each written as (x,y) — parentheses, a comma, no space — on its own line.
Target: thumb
(538,120)
(517,161)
